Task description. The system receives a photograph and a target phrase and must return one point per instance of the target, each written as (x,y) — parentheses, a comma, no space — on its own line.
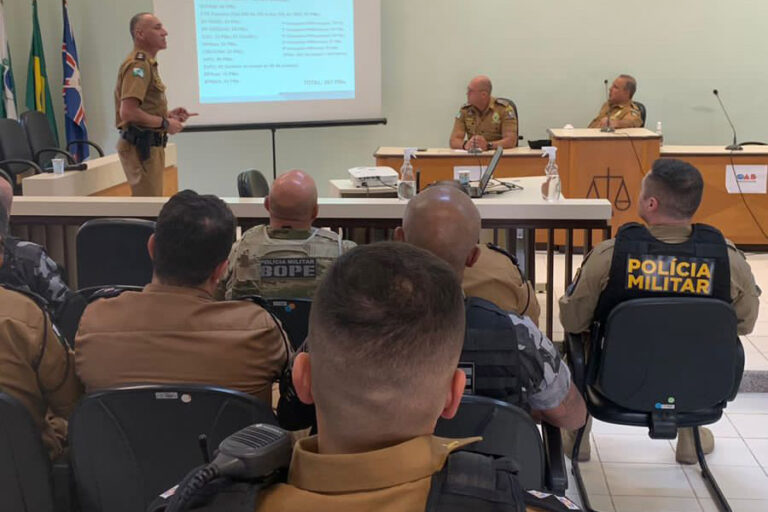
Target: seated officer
(386,331)
(512,360)
(174,331)
(619,108)
(668,199)
(484,122)
(287,258)
(28,267)
(36,367)
(497,278)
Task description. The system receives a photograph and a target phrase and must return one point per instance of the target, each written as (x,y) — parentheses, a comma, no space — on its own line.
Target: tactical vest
(280,268)
(645,267)
(490,356)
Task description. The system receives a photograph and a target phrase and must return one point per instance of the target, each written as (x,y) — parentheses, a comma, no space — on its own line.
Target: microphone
(76,167)
(735,146)
(607,128)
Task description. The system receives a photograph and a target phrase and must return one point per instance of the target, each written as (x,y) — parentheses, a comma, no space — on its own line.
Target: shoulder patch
(141,56)
(138,72)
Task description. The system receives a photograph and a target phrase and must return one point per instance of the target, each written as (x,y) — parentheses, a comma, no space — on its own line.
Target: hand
(480,142)
(181,114)
(174,126)
(605,122)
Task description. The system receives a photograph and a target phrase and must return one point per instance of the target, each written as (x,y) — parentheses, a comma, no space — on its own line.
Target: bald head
(481,83)
(443,220)
(292,202)
(479,92)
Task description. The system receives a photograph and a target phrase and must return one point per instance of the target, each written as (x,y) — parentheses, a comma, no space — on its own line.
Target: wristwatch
(164,124)
(490,146)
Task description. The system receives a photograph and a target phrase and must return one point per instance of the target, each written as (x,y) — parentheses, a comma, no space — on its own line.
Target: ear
(653,204)
(302,378)
(399,235)
(151,246)
(473,257)
(453,400)
(266,203)
(315,211)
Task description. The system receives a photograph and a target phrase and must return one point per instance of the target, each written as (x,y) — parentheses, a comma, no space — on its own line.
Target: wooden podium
(597,165)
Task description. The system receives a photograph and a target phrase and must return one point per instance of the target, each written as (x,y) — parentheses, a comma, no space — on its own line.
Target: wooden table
(437,164)
(103,177)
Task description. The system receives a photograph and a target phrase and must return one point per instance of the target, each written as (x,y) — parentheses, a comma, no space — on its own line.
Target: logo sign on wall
(746,179)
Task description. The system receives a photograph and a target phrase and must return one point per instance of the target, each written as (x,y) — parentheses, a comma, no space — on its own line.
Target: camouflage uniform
(28,268)
(280,263)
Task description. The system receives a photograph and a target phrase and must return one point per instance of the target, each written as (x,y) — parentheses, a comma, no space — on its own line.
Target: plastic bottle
(551,188)
(659,132)
(406,185)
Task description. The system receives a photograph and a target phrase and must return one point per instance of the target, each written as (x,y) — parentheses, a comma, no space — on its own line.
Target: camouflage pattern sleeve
(548,379)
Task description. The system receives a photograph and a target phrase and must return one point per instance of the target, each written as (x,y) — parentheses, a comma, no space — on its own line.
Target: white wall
(550,57)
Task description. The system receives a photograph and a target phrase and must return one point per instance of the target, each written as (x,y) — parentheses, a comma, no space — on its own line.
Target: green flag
(38,93)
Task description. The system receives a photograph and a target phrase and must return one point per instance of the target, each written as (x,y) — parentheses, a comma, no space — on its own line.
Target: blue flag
(74,109)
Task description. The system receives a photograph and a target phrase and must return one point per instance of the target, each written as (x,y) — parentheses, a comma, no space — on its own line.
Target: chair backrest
(507,431)
(676,354)
(39,135)
(294,315)
(25,473)
(129,445)
(114,252)
(517,115)
(252,183)
(14,145)
(642,110)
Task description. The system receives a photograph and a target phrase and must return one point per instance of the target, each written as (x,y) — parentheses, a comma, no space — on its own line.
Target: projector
(373,176)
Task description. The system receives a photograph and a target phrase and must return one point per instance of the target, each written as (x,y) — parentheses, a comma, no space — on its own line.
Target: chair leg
(576,471)
(709,479)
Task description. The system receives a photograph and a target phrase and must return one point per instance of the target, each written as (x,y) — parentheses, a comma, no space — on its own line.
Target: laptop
(479,191)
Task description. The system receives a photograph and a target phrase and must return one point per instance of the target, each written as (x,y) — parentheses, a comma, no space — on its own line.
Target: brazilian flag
(38,93)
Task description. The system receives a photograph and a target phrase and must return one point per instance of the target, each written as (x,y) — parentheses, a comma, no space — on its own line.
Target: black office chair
(662,364)
(252,183)
(129,445)
(293,315)
(42,140)
(26,484)
(517,116)
(508,431)
(114,252)
(642,110)
(15,154)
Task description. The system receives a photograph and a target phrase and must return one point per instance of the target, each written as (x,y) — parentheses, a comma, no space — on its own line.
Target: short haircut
(135,21)
(677,185)
(630,84)
(194,234)
(385,335)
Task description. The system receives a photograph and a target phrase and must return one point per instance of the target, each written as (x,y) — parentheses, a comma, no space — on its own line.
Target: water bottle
(660,133)
(551,188)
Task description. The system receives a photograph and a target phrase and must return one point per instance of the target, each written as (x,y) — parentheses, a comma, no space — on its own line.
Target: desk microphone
(76,167)
(735,146)
(607,128)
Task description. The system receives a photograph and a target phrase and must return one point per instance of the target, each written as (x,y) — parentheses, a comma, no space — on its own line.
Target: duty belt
(144,140)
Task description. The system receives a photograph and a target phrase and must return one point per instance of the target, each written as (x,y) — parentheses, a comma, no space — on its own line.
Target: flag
(8,103)
(74,110)
(38,92)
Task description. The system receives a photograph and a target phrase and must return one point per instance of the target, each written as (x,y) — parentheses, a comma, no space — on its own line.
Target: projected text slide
(275,50)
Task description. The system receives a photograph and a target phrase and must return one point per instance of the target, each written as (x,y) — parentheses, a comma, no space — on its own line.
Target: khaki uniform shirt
(169,334)
(619,112)
(498,121)
(497,279)
(280,263)
(138,78)
(577,307)
(395,479)
(36,368)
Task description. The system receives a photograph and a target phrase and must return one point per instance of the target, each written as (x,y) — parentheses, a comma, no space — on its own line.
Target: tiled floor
(630,472)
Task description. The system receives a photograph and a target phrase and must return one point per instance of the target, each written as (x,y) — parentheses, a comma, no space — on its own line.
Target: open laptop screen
(490,169)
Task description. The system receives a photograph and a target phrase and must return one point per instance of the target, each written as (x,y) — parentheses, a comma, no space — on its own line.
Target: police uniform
(505,356)
(168,334)
(28,267)
(138,78)
(496,122)
(578,306)
(497,278)
(280,263)
(619,112)
(36,367)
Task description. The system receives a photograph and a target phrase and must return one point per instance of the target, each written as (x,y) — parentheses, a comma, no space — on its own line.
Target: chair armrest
(28,163)
(90,143)
(575,352)
(556,476)
(66,154)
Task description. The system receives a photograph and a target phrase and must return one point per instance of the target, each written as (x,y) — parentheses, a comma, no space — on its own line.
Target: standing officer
(141,109)
(484,122)
(620,109)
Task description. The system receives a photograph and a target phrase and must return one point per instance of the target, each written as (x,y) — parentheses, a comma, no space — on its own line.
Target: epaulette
(140,56)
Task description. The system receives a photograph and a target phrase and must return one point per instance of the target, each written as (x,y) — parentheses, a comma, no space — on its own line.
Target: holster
(144,140)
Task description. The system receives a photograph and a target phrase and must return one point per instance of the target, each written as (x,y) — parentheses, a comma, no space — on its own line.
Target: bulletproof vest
(279,268)
(645,267)
(490,356)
